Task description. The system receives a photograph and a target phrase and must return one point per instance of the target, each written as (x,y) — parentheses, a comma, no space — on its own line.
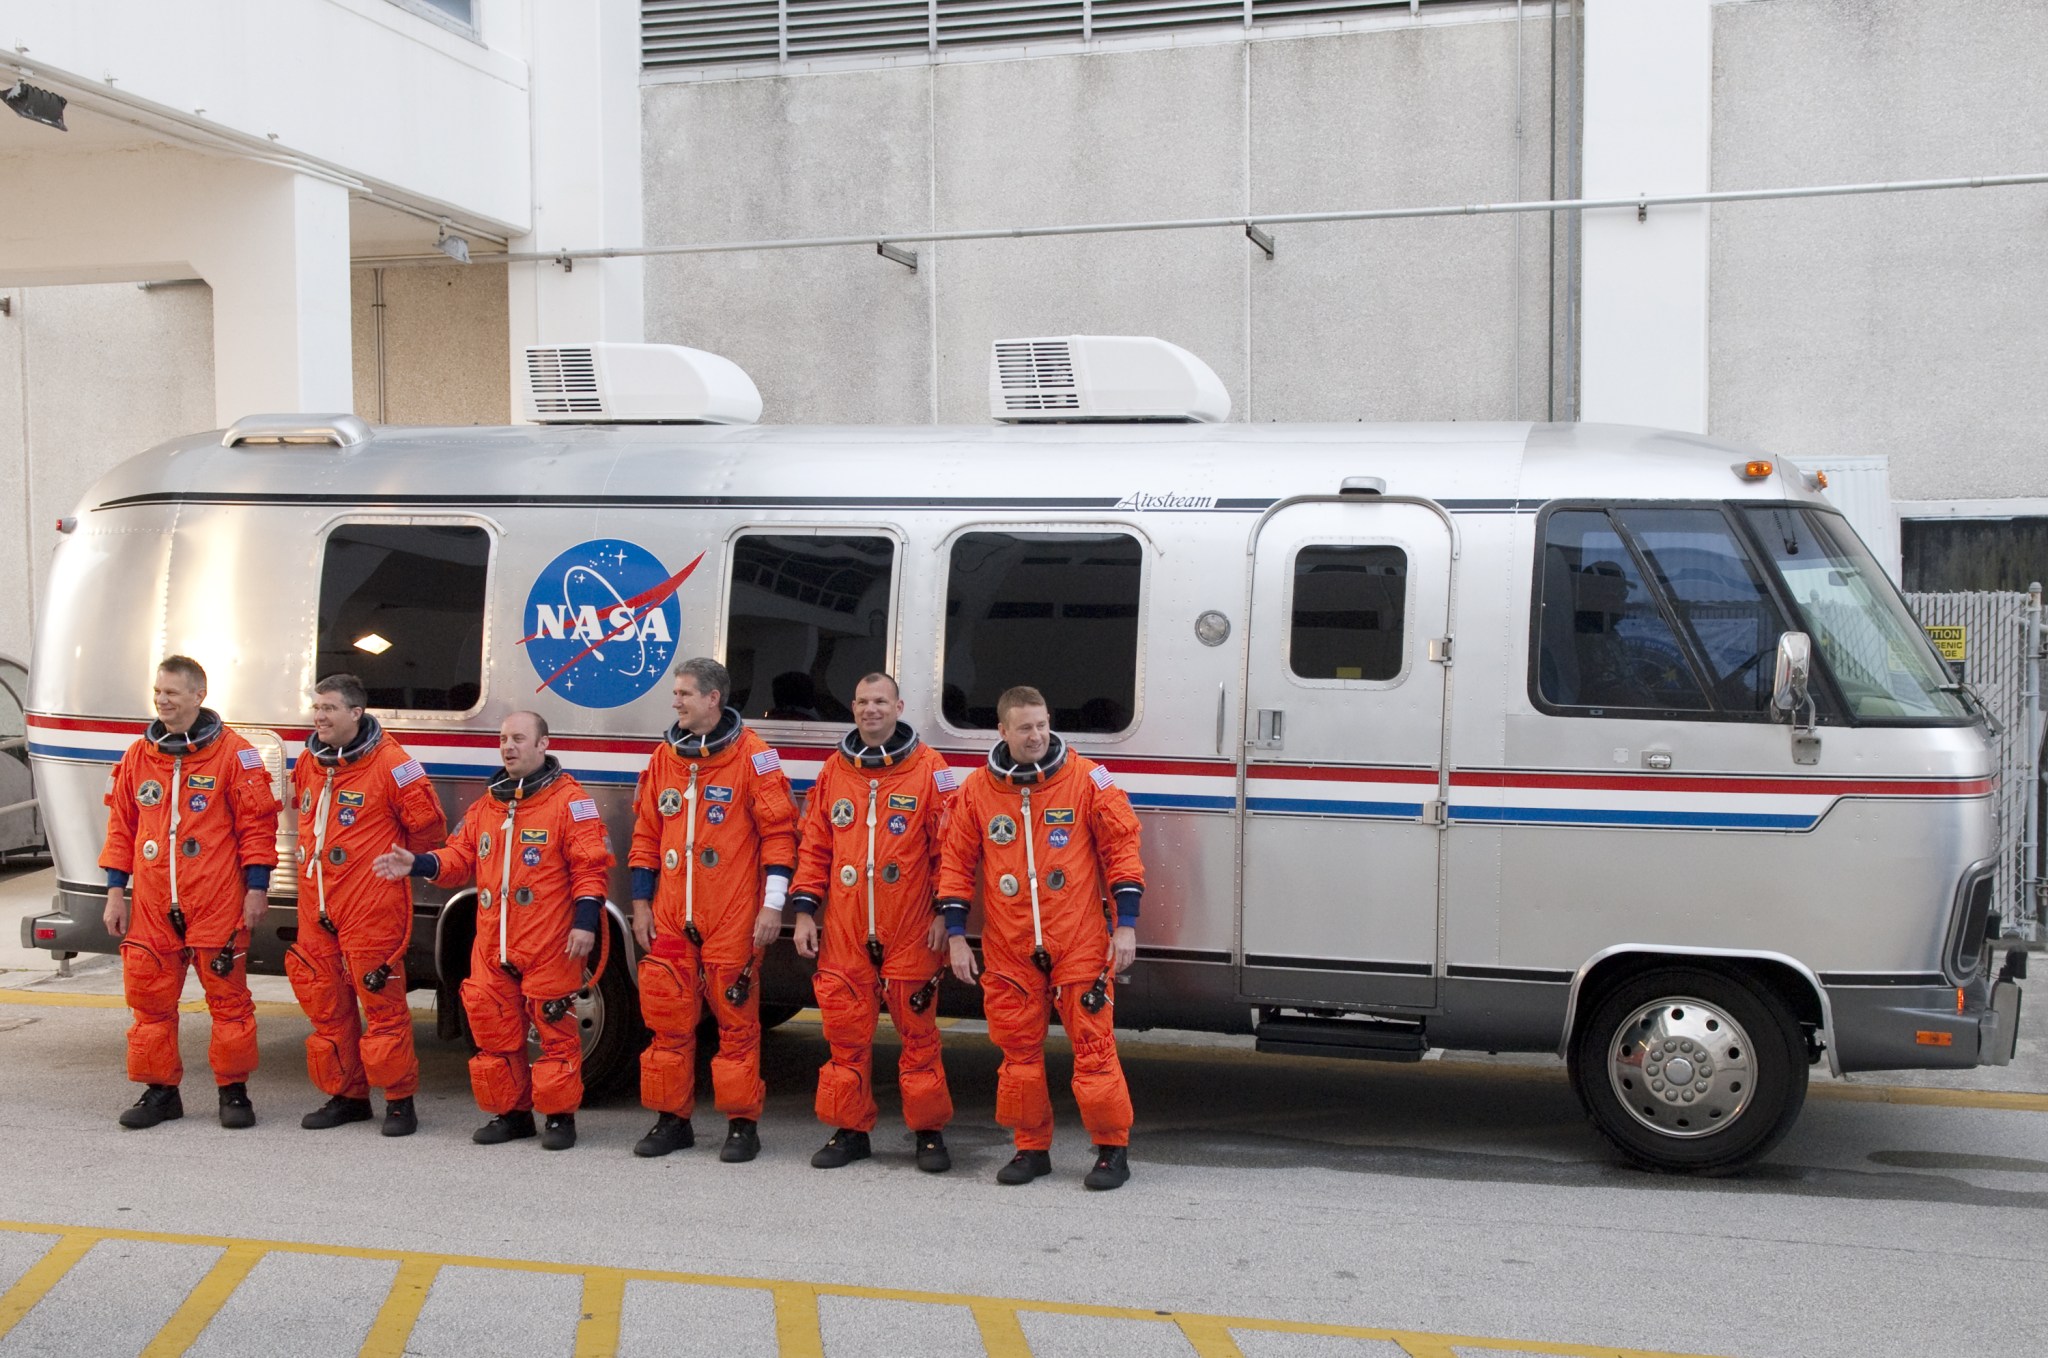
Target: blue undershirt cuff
(643,884)
(425,865)
(116,877)
(256,877)
(1127,900)
(589,913)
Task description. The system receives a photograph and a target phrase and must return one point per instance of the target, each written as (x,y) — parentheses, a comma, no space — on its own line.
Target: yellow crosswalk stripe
(44,1274)
(1002,1333)
(796,1303)
(204,1302)
(604,1298)
(401,1309)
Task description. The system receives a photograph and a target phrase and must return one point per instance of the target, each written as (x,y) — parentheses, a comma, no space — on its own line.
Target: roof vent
(1102,377)
(636,384)
(276,431)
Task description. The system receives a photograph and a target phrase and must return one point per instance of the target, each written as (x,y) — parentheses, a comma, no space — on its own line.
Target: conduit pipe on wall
(1640,205)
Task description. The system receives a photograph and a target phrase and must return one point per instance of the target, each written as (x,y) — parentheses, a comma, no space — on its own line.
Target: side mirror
(1795,668)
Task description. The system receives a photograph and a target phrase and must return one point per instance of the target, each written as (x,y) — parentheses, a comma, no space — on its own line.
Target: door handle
(1272,722)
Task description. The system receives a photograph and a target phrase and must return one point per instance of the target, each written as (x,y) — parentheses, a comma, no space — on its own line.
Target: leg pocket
(668,996)
(498,1081)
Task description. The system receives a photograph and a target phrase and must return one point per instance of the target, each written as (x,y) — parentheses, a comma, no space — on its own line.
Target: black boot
(399,1117)
(504,1127)
(1112,1168)
(742,1141)
(670,1132)
(843,1148)
(335,1112)
(235,1109)
(159,1103)
(560,1133)
(932,1156)
(1025,1166)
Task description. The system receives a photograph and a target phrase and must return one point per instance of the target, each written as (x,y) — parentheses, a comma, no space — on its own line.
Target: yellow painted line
(44,1273)
(797,1334)
(1208,1338)
(1931,1098)
(1417,1348)
(796,1303)
(401,1309)
(53,1000)
(1002,1334)
(203,1302)
(604,1297)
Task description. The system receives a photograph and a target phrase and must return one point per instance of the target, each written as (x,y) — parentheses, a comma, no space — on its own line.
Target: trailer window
(1603,639)
(402,607)
(1347,612)
(1057,611)
(808,616)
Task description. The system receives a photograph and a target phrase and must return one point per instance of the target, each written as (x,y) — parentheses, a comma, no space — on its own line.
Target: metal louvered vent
(684,33)
(564,381)
(1037,375)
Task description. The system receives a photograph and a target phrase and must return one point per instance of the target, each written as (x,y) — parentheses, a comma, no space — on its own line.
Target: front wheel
(1689,1070)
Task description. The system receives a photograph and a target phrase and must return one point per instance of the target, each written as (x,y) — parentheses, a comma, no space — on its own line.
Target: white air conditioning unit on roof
(635,384)
(1102,377)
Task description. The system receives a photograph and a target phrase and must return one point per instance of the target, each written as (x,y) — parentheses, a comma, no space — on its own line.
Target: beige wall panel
(445,345)
(1902,324)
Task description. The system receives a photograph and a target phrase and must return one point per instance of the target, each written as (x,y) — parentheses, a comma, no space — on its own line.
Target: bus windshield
(1883,663)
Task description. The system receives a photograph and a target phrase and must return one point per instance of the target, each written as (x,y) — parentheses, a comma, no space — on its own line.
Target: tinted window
(1720,599)
(1347,612)
(1603,641)
(807,618)
(402,606)
(1057,611)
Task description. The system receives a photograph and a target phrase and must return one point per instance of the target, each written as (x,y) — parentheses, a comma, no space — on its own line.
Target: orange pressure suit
(1060,836)
(869,858)
(711,816)
(192,820)
(537,850)
(354,927)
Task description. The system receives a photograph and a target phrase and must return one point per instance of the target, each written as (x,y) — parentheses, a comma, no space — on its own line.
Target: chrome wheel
(1682,1067)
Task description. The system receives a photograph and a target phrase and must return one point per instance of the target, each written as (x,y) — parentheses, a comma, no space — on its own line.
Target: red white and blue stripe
(1495,797)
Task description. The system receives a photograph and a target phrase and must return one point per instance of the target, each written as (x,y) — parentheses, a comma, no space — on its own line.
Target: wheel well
(1779,978)
(454,936)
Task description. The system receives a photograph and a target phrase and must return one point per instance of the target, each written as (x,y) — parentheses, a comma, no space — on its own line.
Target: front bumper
(1922,1027)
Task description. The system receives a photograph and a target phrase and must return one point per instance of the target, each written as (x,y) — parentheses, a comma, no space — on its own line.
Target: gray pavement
(1456,1197)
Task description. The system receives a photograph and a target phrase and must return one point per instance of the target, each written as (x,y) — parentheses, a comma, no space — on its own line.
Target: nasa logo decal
(601,622)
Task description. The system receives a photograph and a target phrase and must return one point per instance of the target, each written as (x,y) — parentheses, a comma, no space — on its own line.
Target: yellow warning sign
(1951,642)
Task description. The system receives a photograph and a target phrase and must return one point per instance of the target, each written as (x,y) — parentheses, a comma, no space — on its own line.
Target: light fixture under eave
(372,643)
(36,104)
(455,247)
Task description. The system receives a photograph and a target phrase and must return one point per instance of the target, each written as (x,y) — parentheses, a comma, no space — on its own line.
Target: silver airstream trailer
(1528,737)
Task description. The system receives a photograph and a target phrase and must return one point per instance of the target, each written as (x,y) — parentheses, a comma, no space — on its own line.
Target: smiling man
(192,829)
(358,793)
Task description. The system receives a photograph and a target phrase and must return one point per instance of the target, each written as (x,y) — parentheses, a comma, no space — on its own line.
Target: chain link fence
(1996,636)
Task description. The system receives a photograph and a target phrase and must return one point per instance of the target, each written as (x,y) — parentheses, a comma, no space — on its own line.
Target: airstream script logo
(601,622)
(1139,501)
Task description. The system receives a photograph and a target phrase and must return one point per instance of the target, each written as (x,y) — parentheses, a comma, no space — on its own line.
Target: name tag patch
(533,836)
(900,802)
(718,794)
(200,782)
(1059,815)
(349,798)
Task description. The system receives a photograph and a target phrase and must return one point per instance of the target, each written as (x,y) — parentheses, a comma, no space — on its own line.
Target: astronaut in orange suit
(536,848)
(192,829)
(714,846)
(358,793)
(868,858)
(1049,838)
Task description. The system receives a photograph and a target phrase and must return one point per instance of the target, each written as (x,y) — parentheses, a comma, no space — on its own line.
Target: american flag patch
(583,809)
(251,758)
(409,771)
(767,762)
(944,779)
(1101,777)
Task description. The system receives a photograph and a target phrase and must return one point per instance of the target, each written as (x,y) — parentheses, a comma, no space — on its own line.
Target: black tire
(611,1030)
(1739,1049)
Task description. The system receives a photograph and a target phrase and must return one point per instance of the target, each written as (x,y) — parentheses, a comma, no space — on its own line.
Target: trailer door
(1341,778)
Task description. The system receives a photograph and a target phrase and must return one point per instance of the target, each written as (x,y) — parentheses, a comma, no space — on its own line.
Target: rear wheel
(1685,1069)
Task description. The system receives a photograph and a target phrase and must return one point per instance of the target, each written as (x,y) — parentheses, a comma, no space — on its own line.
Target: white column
(1643,293)
(586,173)
(277,260)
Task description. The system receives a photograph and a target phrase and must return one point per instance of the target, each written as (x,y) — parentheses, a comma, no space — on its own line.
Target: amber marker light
(1927,1039)
(1756,470)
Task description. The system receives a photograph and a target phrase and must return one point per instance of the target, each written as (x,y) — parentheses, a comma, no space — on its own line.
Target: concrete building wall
(1383,320)
(1908,324)
(90,375)
(441,356)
